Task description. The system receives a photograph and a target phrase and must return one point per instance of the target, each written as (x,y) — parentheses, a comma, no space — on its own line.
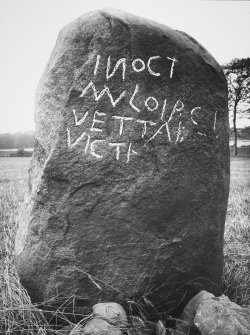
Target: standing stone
(129,179)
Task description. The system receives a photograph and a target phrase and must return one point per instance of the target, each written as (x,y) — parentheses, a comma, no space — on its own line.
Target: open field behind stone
(13,177)
(237,233)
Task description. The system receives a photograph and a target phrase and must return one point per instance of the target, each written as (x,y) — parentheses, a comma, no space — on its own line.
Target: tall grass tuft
(237,234)
(17,314)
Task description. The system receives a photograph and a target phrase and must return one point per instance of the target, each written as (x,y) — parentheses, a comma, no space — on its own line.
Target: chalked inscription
(149,129)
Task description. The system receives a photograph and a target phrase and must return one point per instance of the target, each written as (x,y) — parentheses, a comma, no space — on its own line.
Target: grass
(19,316)
(237,233)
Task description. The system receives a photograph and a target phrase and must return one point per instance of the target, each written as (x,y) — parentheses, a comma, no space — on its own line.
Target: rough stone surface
(71,330)
(137,326)
(100,327)
(186,321)
(125,208)
(111,312)
(220,316)
(160,328)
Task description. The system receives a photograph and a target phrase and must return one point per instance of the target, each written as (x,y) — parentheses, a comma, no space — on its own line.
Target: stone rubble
(214,316)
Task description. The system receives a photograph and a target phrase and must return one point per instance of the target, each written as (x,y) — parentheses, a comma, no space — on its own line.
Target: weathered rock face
(129,177)
(185,324)
(220,316)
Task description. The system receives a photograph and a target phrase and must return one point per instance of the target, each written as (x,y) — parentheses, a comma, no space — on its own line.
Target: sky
(29,28)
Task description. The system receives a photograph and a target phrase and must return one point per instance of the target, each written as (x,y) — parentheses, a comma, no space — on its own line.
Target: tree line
(17,140)
(237,73)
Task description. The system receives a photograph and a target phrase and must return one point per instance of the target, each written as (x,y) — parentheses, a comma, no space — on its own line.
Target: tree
(237,73)
(21,153)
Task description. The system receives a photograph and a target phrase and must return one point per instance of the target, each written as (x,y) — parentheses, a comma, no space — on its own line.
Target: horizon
(29,31)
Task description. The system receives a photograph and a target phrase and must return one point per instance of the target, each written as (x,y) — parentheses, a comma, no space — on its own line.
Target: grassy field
(237,233)
(16,311)
(17,314)
(13,175)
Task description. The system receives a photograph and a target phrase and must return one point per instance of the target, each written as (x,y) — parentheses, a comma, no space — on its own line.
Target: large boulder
(129,179)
